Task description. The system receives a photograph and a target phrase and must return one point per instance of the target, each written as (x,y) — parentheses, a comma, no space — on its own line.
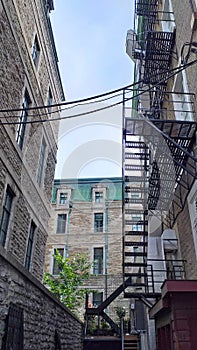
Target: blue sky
(90,40)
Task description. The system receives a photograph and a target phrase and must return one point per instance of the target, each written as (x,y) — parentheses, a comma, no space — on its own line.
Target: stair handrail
(122,332)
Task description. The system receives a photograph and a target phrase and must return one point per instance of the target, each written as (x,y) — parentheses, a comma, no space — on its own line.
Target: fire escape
(159,164)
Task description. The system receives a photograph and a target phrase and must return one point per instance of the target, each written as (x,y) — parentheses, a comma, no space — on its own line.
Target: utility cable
(76,101)
(175,71)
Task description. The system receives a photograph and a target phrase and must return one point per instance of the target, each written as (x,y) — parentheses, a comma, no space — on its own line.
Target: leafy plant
(68,284)
(120,311)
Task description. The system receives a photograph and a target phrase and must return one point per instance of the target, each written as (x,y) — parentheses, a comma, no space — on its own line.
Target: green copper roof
(82,188)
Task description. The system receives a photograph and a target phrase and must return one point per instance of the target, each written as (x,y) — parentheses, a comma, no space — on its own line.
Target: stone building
(163,117)
(87,218)
(29,77)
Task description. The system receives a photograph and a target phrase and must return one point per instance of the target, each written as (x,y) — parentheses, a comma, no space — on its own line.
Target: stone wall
(184,34)
(80,237)
(44,316)
(20,22)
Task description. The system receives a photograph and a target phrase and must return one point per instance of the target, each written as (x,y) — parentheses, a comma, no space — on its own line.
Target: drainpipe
(68,227)
(106,249)
(122,332)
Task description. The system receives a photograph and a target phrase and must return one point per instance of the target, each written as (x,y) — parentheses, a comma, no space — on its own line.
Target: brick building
(162,45)
(87,218)
(29,77)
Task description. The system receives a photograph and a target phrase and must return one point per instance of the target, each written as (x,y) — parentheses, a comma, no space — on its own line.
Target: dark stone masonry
(46,323)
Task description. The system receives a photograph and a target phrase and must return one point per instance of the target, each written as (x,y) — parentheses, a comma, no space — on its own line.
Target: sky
(90,40)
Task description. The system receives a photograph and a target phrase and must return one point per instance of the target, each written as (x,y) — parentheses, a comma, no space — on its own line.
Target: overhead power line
(173,72)
(74,101)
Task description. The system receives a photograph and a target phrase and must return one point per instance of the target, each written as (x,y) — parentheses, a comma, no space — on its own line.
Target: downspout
(106,249)
(68,228)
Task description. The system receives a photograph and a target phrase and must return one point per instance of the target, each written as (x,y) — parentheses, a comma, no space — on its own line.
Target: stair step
(136,233)
(135,264)
(131,343)
(131,200)
(133,144)
(130,189)
(135,222)
(136,211)
(136,274)
(135,254)
(134,179)
(134,200)
(136,244)
(136,155)
(132,167)
(131,274)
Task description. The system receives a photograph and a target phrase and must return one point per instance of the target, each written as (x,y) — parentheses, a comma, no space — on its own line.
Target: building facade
(87,218)
(29,79)
(162,45)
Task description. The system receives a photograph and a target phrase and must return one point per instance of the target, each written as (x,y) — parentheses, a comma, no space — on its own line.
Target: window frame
(99,268)
(30,244)
(20,132)
(6,214)
(41,162)
(98,302)
(55,270)
(49,100)
(138,218)
(98,197)
(35,51)
(59,224)
(98,223)
(65,194)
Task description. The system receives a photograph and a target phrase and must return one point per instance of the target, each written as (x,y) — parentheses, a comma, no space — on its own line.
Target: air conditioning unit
(132,48)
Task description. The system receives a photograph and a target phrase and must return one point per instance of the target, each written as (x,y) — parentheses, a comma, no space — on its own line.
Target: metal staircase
(135,219)
(131,342)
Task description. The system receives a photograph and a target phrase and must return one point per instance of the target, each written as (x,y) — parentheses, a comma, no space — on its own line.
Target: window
(6,215)
(20,134)
(30,245)
(98,222)
(97,298)
(98,261)
(137,226)
(63,198)
(135,251)
(98,197)
(135,195)
(61,223)
(49,100)
(196,204)
(56,269)
(41,162)
(36,51)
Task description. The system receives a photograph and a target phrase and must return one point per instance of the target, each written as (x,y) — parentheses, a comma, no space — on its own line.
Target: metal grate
(13,338)
(147,8)
(157,56)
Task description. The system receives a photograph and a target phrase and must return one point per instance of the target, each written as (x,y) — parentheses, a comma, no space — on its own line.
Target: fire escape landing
(159,164)
(158,174)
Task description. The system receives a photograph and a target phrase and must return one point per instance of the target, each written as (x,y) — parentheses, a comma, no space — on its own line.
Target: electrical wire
(174,70)
(74,101)
(63,109)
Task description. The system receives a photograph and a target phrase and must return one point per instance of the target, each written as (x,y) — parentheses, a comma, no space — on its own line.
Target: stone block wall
(44,317)
(186,32)
(20,22)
